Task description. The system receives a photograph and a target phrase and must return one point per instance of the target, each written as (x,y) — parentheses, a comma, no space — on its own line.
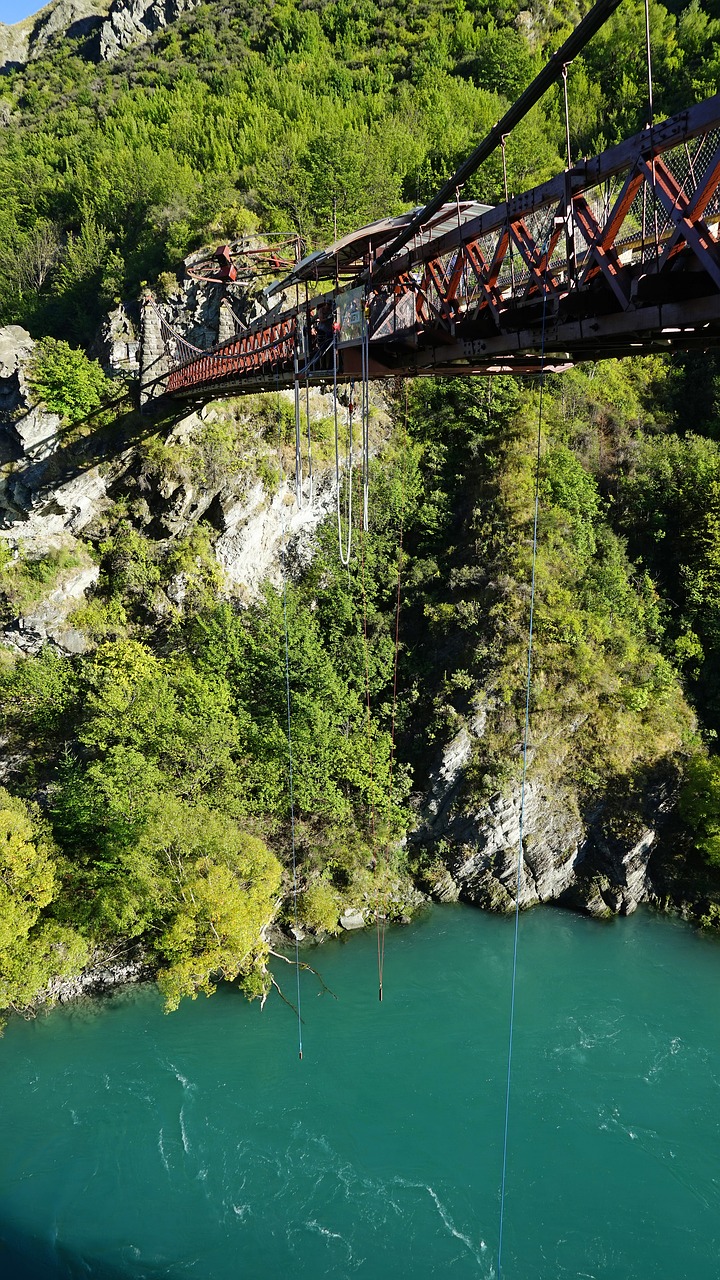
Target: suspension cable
(523,789)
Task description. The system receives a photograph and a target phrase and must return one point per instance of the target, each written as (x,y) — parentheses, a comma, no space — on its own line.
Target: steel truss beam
(620,253)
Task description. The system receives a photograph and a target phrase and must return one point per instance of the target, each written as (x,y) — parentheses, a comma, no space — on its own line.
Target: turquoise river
(136,1144)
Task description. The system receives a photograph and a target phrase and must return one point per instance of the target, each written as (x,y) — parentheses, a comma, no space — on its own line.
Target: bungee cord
(343,550)
(311,474)
(298,436)
(523,788)
(382,925)
(288,705)
(365,416)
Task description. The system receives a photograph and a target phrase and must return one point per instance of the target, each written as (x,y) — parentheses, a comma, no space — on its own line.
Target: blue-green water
(197,1145)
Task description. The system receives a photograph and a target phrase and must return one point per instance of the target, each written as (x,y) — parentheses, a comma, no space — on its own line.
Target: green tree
(65,380)
(220,893)
(32,949)
(700,805)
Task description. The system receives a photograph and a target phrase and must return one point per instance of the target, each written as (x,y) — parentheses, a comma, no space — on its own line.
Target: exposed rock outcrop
(106,27)
(16,346)
(118,344)
(596,862)
(130,21)
(101,975)
(48,619)
(74,19)
(256,526)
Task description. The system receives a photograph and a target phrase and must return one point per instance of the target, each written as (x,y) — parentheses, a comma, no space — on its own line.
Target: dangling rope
(526,739)
(311,477)
(297,439)
(382,923)
(291,784)
(371,756)
(343,551)
(365,416)
(311,474)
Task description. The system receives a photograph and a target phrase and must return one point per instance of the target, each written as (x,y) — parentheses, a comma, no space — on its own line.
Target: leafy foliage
(700,806)
(65,380)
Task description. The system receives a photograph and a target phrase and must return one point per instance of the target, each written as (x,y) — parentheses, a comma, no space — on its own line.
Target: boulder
(352,918)
(36,432)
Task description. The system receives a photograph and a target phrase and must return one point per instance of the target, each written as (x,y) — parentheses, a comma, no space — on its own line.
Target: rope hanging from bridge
(382,922)
(298,437)
(365,414)
(311,475)
(343,549)
(291,780)
(523,788)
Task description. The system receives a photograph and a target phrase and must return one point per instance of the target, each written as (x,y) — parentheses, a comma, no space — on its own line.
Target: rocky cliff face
(75,19)
(597,861)
(130,21)
(54,491)
(106,27)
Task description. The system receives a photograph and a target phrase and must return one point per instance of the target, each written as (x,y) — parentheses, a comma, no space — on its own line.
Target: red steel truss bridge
(618,255)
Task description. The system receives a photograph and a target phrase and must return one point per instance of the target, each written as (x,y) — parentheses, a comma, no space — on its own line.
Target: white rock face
(48,619)
(66,18)
(489,841)
(352,919)
(114,26)
(28,39)
(581,861)
(250,551)
(37,432)
(133,20)
(16,346)
(33,512)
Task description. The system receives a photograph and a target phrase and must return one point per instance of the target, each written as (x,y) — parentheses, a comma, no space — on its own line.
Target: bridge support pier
(153,355)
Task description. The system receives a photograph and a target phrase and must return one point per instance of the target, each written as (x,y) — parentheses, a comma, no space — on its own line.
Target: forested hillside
(146,776)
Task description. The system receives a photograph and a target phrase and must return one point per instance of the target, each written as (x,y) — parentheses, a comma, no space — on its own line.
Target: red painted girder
(688,124)
(694,232)
(603,255)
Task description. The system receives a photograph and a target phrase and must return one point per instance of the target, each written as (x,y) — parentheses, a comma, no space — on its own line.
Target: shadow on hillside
(92,441)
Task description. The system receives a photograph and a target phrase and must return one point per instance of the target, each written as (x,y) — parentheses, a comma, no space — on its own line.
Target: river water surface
(197,1145)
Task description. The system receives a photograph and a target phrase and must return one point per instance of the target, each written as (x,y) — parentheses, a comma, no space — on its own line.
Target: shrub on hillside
(66,381)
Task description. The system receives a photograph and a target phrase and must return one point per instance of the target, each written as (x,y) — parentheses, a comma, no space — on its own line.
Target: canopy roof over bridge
(348,255)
